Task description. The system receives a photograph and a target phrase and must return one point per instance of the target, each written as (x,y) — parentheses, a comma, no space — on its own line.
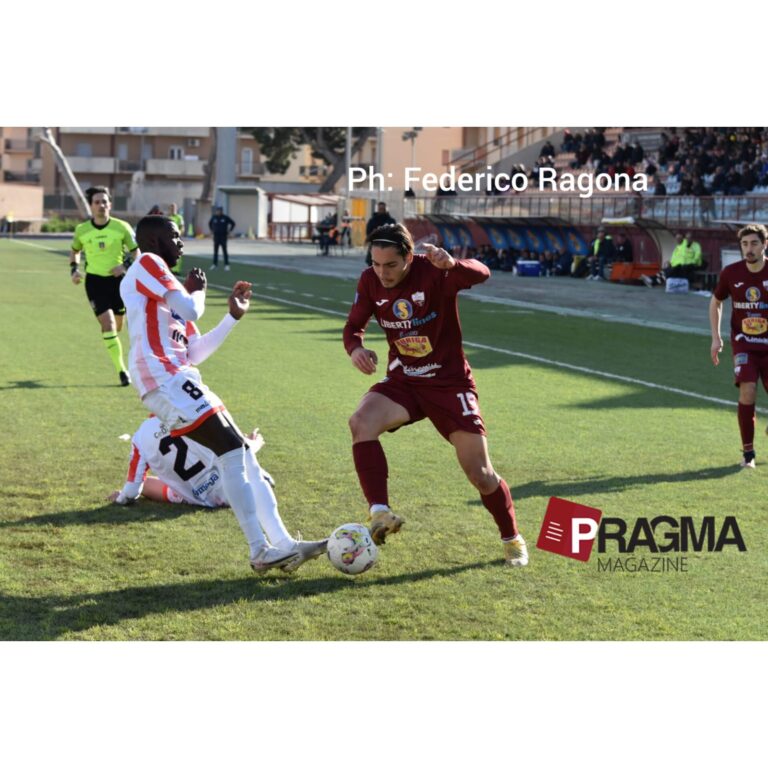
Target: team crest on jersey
(754,326)
(402,309)
(414,346)
(753,293)
(418,298)
(102,245)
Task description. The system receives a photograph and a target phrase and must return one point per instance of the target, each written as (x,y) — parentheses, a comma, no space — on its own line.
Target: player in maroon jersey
(746,282)
(414,299)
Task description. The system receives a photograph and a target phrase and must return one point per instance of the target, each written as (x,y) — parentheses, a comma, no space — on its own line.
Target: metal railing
(671,211)
(290,231)
(129,166)
(254,168)
(63,204)
(496,149)
(29,177)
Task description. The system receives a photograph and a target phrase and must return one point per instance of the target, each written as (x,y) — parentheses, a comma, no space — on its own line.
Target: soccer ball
(351,549)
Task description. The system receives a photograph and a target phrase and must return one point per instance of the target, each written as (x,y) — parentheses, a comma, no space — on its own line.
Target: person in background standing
(220,225)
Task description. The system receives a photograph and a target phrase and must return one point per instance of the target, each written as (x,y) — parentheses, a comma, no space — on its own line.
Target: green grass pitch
(72,566)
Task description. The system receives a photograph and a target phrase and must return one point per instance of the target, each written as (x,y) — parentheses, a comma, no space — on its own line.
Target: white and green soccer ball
(351,549)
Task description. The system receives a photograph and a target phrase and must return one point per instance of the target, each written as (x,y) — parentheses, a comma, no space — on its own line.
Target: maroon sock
(371,466)
(500,505)
(747,425)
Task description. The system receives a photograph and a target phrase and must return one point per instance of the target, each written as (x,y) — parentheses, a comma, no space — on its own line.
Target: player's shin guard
(233,476)
(266,504)
(747,426)
(114,349)
(502,508)
(372,471)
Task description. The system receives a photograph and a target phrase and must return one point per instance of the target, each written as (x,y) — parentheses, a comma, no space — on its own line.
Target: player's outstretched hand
(256,439)
(77,277)
(364,360)
(117,498)
(438,257)
(240,299)
(196,280)
(717,348)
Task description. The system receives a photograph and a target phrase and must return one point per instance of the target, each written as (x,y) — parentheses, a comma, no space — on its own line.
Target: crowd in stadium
(688,161)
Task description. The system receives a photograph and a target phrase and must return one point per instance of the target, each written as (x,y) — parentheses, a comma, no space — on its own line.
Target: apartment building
(21,198)
(19,156)
(146,166)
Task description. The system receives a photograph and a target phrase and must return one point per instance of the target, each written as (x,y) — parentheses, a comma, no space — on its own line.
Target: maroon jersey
(749,299)
(421,319)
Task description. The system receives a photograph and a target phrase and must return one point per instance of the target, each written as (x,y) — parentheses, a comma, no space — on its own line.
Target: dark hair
(91,192)
(148,228)
(392,236)
(753,229)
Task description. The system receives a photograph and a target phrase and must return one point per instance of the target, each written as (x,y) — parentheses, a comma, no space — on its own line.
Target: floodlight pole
(348,161)
(69,176)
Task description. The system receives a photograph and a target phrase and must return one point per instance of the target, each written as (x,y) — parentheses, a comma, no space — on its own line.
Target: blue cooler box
(528,268)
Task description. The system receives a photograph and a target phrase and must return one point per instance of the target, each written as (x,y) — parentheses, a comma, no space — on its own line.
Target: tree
(281,145)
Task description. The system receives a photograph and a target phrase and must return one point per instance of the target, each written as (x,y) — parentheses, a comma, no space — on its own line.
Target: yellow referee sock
(114,348)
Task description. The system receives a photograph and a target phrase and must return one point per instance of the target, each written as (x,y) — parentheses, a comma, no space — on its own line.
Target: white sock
(240,498)
(379,508)
(266,504)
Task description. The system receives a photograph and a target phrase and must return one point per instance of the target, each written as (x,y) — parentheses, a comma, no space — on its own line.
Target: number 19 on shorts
(468,404)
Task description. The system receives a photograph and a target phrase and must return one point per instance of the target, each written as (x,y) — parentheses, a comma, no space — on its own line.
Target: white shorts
(183,402)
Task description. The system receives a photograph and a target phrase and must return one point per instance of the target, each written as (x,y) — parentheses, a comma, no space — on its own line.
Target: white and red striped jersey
(159,337)
(186,467)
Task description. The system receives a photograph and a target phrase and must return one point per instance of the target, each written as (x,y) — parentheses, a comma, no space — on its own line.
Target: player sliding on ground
(184,472)
(414,299)
(165,345)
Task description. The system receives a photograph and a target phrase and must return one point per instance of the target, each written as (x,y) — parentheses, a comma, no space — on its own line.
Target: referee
(104,241)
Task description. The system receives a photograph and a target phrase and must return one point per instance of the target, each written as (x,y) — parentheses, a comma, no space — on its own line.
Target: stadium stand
(709,180)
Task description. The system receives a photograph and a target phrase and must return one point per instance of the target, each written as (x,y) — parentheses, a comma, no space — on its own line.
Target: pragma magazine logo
(569,529)
(656,544)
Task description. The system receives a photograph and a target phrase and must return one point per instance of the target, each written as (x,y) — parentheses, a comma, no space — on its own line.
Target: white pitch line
(534,358)
(588,314)
(499,350)
(41,247)
(603,374)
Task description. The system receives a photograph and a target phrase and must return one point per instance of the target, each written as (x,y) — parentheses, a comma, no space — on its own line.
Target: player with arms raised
(165,347)
(414,299)
(746,282)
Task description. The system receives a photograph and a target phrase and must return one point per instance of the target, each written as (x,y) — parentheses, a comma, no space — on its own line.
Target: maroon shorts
(448,408)
(751,367)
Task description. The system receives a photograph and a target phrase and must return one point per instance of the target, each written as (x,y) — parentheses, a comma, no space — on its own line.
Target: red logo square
(569,529)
